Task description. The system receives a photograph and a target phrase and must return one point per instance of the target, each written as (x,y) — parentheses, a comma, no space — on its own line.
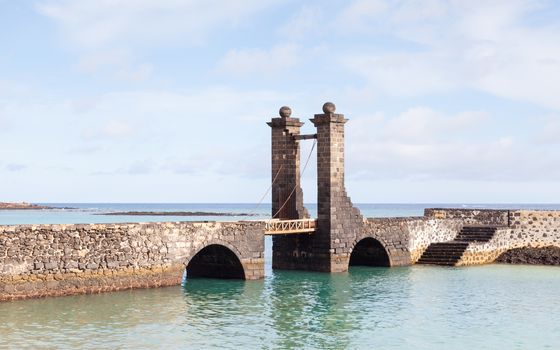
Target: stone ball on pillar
(285,112)
(329,108)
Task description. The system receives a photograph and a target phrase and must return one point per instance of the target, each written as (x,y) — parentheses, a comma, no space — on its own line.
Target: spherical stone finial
(285,112)
(329,108)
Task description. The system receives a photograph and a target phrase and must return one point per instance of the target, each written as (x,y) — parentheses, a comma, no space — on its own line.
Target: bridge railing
(283,227)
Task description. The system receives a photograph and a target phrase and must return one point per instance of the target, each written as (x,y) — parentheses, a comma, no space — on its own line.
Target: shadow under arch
(369,252)
(215,261)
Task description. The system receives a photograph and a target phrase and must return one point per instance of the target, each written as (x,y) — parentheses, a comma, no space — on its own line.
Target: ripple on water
(418,307)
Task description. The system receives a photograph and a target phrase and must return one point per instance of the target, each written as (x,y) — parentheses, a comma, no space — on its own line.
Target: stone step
(449,253)
(438,262)
(461,248)
(474,239)
(474,228)
(467,228)
(475,235)
(449,244)
(421,261)
(445,249)
(442,254)
(468,239)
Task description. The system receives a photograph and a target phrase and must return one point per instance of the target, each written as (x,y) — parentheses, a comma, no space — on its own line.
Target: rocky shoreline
(531,256)
(173,213)
(22,206)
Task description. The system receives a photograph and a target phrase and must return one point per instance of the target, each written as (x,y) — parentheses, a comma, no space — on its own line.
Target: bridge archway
(369,252)
(215,261)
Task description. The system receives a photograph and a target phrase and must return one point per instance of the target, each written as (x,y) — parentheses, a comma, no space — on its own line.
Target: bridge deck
(285,227)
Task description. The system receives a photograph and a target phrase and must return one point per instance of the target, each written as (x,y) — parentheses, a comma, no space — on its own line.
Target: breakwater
(52,260)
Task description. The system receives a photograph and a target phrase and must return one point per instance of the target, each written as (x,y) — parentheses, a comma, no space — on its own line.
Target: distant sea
(87,213)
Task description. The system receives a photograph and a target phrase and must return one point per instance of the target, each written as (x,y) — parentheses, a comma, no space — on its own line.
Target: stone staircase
(449,253)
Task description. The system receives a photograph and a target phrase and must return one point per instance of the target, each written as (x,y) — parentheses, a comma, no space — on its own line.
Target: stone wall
(528,228)
(41,260)
(406,238)
(516,229)
(424,231)
(488,217)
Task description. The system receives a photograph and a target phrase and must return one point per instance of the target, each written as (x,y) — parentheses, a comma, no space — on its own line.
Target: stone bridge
(41,260)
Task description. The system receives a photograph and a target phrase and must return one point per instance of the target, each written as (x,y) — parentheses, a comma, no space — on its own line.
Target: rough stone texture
(424,231)
(516,229)
(531,256)
(287,195)
(41,260)
(488,217)
(339,222)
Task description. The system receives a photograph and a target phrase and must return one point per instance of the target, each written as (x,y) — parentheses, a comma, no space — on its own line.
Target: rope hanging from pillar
(296,185)
(268,190)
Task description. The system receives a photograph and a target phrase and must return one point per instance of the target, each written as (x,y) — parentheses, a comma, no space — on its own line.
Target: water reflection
(308,309)
(391,308)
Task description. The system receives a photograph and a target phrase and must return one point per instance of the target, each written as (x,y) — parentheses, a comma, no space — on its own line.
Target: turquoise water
(418,307)
(486,307)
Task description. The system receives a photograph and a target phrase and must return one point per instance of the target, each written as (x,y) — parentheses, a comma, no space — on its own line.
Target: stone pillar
(287,196)
(339,223)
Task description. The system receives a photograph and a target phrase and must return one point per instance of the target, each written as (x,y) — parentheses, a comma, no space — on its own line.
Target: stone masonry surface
(515,229)
(43,260)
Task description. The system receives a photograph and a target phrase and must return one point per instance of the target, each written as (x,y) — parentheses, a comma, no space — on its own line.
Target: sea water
(417,307)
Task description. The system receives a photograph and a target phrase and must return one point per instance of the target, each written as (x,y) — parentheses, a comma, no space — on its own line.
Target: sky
(167,101)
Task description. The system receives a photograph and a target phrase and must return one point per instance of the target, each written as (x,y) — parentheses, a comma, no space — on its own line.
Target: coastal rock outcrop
(531,256)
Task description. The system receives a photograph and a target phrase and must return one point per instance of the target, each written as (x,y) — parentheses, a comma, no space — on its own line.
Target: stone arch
(369,251)
(216,260)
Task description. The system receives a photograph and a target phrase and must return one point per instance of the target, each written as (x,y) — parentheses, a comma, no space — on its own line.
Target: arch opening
(215,261)
(369,252)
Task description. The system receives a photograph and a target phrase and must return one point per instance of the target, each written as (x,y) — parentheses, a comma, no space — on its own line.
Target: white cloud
(137,73)
(113,129)
(94,62)
(488,46)
(424,125)
(5,124)
(423,144)
(304,22)
(550,133)
(117,64)
(141,167)
(404,74)
(259,61)
(97,24)
(359,14)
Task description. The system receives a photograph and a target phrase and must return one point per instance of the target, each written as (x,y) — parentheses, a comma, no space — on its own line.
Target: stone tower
(287,196)
(339,223)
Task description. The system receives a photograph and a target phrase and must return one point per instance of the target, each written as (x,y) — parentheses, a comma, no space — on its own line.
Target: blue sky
(166,101)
